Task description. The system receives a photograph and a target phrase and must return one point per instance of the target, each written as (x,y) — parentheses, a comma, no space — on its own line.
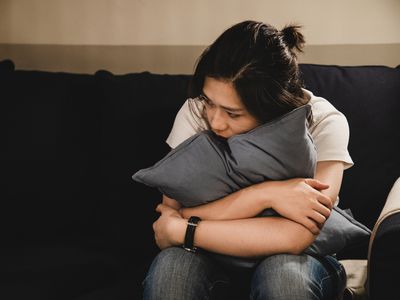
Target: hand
(170,227)
(301,201)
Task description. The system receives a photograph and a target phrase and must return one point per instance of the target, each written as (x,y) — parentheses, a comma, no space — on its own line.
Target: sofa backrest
(369,96)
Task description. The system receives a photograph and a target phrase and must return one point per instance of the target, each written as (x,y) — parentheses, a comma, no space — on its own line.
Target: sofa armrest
(384,249)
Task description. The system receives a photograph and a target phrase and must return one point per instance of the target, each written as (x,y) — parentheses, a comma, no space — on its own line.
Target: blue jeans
(178,274)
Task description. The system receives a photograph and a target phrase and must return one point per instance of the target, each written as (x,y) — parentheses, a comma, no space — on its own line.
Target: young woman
(247,77)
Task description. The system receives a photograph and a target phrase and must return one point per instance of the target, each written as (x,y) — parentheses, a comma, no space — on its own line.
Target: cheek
(243,125)
(209,114)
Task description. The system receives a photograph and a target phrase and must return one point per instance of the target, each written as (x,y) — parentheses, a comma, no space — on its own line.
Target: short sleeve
(331,137)
(185,125)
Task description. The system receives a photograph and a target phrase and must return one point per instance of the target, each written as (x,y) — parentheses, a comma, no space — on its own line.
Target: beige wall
(167,35)
(192,22)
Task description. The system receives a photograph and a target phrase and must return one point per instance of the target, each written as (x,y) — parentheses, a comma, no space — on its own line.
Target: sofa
(76,226)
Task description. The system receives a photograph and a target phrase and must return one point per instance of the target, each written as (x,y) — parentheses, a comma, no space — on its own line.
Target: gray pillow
(206,167)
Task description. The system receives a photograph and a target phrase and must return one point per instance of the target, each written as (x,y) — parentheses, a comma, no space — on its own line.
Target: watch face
(194,219)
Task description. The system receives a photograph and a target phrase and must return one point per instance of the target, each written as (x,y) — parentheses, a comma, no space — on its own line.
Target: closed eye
(232,115)
(209,103)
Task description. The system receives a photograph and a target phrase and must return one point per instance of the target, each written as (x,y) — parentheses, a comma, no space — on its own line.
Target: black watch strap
(189,236)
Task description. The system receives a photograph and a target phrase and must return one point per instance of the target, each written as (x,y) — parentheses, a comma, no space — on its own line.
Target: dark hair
(261,63)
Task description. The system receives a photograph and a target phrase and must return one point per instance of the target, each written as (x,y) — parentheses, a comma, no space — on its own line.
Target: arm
(330,172)
(305,201)
(244,203)
(246,237)
(258,236)
(252,200)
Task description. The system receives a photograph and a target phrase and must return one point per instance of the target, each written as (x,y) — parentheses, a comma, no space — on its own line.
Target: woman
(247,77)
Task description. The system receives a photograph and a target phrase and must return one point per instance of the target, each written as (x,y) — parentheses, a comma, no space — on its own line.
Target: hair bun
(292,37)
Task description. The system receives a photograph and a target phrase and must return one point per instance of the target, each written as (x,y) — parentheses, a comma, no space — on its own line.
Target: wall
(167,36)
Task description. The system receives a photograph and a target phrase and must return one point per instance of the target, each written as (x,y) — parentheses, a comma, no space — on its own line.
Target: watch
(189,236)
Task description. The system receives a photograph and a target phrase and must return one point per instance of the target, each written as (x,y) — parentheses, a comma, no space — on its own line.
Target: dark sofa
(76,226)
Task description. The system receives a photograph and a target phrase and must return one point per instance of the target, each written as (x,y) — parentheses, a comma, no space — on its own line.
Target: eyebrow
(224,107)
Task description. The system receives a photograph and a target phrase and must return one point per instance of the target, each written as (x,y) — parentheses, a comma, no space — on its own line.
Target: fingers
(160,207)
(323,205)
(316,184)
(166,210)
(325,200)
(311,225)
(322,209)
(314,222)
(318,218)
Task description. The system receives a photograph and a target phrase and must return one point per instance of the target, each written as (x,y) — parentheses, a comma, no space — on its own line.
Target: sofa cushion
(356,272)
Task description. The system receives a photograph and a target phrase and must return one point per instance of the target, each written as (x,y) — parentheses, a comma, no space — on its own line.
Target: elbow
(298,249)
(295,250)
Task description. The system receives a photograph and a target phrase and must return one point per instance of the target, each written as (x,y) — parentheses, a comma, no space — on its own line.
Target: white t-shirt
(329,130)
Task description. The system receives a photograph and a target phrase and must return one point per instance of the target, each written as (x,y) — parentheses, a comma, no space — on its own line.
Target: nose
(218,122)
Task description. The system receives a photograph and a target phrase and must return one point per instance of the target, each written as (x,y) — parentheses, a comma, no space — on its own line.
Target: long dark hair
(261,63)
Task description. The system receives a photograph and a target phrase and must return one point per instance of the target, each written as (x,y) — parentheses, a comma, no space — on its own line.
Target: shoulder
(329,130)
(323,109)
(326,117)
(189,114)
(187,123)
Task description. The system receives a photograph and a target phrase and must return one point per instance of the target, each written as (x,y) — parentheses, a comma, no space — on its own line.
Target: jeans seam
(340,271)
(144,280)
(323,279)
(333,277)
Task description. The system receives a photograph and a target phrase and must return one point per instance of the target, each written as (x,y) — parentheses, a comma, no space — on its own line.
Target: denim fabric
(178,274)
(286,276)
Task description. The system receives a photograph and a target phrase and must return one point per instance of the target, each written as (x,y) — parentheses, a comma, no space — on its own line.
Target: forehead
(222,93)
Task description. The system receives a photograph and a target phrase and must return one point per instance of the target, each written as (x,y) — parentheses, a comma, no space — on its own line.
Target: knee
(168,269)
(174,274)
(171,261)
(284,277)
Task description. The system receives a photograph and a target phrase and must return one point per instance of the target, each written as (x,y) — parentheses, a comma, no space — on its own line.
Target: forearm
(330,172)
(249,237)
(245,203)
